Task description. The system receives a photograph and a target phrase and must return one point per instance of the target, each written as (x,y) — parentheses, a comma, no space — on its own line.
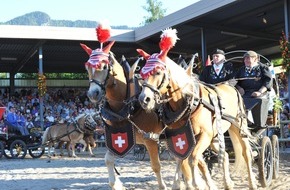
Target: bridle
(90,122)
(103,84)
(156,90)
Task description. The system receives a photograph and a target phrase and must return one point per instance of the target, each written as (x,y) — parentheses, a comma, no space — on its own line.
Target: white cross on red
(180,143)
(119,141)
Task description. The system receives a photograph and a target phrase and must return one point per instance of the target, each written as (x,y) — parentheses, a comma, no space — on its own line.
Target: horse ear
(143,53)
(163,55)
(107,49)
(134,67)
(189,69)
(86,48)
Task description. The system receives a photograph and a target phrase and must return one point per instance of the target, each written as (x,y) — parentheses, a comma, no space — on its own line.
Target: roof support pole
(203,46)
(40,97)
(12,84)
(287,17)
(287,21)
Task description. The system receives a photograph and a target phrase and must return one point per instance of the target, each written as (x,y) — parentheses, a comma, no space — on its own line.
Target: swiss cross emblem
(180,143)
(120,141)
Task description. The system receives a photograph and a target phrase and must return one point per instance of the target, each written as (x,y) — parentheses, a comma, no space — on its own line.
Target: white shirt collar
(218,68)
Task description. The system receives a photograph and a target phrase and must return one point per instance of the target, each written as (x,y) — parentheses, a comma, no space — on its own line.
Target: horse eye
(158,73)
(105,67)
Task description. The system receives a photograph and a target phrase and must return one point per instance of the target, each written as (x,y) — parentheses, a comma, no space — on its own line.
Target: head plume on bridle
(99,55)
(158,60)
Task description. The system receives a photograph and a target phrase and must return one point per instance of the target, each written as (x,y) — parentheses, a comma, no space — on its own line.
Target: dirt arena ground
(90,173)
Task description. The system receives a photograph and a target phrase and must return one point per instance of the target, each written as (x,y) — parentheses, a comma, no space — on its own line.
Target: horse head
(92,122)
(159,73)
(98,67)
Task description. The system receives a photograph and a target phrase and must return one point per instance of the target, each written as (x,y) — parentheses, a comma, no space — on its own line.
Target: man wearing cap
(254,78)
(254,81)
(219,71)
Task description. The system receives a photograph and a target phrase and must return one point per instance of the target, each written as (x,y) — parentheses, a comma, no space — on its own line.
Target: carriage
(267,157)
(267,152)
(15,145)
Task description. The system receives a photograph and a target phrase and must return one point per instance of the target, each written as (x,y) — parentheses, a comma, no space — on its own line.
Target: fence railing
(49,82)
(283,140)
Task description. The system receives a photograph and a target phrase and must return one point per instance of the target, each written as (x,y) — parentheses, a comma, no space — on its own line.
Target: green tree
(154,8)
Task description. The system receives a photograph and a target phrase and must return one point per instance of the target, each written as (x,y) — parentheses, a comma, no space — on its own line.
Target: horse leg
(187,173)
(73,148)
(198,164)
(152,148)
(88,141)
(248,158)
(59,147)
(48,150)
(114,181)
(228,183)
(67,147)
(91,145)
(204,170)
(243,155)
(177,175)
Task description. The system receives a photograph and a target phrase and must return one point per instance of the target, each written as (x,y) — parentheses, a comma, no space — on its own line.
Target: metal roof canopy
(225,24)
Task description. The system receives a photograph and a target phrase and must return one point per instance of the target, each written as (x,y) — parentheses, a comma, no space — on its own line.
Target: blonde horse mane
(180,77)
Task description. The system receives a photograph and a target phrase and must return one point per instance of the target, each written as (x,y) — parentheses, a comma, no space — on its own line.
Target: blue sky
(117,12)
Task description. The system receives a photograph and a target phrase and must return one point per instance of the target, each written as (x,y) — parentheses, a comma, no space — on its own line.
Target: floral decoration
(285,52)
(41,84)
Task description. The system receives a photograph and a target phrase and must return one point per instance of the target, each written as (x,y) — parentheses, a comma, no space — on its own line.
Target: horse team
(128,110)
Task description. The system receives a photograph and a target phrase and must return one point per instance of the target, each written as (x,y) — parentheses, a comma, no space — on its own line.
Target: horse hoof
(230,186)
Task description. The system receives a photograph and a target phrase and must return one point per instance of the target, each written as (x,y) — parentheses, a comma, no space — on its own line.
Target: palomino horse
(178,87)
(71,132)
(207,110)
(108,83)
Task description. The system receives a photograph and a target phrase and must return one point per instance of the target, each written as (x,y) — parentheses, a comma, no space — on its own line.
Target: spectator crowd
(59,105)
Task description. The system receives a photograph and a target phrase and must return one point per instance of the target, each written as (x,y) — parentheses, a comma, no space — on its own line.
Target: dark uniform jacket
(259,76)
(209,75)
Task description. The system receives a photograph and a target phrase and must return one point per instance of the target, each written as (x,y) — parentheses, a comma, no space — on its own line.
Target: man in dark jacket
(219,71)
(254,82)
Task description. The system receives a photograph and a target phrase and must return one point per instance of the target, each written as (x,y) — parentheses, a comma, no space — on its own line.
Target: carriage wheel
(139,152)
(36,152)
(18,149)
(275,146)
(1,149)
(265,162)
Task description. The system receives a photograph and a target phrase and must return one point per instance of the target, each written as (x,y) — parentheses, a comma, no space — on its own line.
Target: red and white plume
(158,60)
(168,39)
(103,31)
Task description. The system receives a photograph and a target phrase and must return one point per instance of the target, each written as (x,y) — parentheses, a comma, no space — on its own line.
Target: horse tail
(243,135)
(45,136)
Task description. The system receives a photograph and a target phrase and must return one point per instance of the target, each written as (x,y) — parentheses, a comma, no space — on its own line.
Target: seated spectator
(50,120)
(16,121)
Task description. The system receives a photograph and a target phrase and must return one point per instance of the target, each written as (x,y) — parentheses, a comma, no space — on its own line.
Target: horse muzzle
(146,102)
(95,96)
